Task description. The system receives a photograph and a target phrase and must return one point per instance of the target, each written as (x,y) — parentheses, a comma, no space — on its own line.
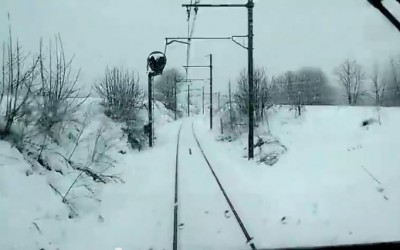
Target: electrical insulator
(188,13)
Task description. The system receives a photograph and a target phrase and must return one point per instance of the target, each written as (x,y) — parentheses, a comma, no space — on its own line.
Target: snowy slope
(24,202)
(319,192)
(32,214)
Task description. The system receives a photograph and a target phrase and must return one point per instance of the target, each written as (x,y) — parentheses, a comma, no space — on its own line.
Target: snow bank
(32,214)
(27,203)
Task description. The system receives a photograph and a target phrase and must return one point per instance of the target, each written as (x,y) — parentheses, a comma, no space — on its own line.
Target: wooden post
(188,101)
(203,100)
(230,105)
(219,100)
(211,91)
(176,99)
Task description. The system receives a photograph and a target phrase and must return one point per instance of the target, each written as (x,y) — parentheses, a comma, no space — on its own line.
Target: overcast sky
(288,33)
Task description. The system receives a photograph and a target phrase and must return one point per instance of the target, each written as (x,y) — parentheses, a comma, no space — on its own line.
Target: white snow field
(318,193)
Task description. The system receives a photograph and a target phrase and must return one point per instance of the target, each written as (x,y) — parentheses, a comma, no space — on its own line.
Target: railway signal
(156,62)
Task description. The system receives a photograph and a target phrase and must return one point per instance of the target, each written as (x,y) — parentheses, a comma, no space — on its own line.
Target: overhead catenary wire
(191,29)
(190,34)
(189,11)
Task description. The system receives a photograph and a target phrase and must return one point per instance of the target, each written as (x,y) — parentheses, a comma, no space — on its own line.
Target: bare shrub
(98,162)
(136,134)
(58,93)
(121,94)
(17,84)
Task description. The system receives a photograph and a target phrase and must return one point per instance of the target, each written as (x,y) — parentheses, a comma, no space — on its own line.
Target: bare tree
(378,87)
(393,82)
(262,98)
(121,93)
(308,86)
(314,86)
(290,79)
(59,95)
(165,87)
(351,75)
(17,84)
(293,88)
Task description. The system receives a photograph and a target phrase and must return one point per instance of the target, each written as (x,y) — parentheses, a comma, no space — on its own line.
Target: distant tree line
(306,86)
(380,86)
(352,84)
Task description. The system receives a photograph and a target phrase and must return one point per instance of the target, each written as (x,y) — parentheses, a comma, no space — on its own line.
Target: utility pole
(250,6)
(219,100)
(203,100)
(153,108)
(149,104)
(211,83)
(230,105)
(176,101)
(188,100)
(211,90)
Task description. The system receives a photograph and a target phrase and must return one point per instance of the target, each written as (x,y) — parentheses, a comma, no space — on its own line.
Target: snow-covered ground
(32,214)
(318,193)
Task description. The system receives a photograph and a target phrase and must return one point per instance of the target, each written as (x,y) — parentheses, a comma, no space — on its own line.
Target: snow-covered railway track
(231,206)
(203,220)
(175,234)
